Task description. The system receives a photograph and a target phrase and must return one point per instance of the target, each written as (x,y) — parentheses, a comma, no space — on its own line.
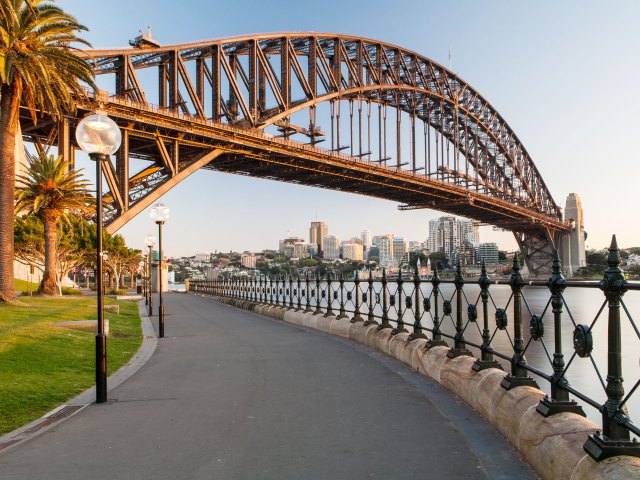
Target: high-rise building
(469,231)
(399,250)
(488,252)
(351,250)
(385,246)
(443,235)
(317,232)
(448,233)
(366,239)
(331,247)
(248,260)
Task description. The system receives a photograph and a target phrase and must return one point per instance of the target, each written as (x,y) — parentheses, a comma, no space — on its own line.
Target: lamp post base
(161,321)
(101,368)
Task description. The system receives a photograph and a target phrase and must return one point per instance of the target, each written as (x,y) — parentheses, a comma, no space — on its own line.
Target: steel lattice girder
(329,67)
(249,83)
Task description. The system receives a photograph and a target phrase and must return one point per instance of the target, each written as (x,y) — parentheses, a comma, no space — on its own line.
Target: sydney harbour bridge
(324,110)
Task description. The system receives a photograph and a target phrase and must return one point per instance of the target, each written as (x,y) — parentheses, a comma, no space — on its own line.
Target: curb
(86,398)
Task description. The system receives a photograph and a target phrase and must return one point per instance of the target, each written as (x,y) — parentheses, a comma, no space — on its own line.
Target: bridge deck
(232,395)
(249,151)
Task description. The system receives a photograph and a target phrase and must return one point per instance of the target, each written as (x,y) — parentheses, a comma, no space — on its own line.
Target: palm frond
(38,52)
(51,187)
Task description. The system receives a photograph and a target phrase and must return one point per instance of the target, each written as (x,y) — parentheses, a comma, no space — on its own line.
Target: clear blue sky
(563,74)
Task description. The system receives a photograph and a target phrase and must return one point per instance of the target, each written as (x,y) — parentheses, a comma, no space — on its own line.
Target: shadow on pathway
(232,395)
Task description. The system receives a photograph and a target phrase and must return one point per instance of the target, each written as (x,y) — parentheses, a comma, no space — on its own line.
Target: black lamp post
(160,214)
(99,136)
(150,241)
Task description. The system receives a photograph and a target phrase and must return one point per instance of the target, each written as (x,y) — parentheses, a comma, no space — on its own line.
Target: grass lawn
(24,286)
(42,366)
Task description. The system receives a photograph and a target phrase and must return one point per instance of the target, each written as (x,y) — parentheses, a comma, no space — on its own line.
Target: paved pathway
(232,395)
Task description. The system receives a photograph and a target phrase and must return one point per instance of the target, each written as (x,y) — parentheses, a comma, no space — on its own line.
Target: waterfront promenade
(232,395)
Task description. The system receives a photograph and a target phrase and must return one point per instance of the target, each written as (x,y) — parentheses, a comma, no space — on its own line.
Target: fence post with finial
(518,376)
(459,346)
(614,439)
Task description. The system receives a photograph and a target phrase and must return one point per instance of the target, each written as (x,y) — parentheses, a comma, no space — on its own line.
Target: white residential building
(447,234)
(331,247)
(366,239)
(203,257)
(385,246)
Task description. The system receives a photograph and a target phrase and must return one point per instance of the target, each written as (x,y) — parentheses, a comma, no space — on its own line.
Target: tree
(120,257)
(596,257)
(439,259)
(50,190)
(75,248)
(39,68)
(413,259)
(29,241)
(307,262)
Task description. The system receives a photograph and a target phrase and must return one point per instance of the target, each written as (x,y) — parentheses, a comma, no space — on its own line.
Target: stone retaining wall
(552,446)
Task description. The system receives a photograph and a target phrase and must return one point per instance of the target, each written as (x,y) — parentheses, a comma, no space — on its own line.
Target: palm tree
(39,69)
(51,190)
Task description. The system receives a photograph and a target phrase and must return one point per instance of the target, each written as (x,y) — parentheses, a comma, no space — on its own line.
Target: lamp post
(160,214)
(140,286)
(150,241)
(143,278)
(99,136)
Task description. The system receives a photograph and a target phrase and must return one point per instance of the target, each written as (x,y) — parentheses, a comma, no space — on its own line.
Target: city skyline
(468,229)
(542,84)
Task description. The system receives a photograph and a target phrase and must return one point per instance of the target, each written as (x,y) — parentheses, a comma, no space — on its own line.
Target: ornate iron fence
(448,313)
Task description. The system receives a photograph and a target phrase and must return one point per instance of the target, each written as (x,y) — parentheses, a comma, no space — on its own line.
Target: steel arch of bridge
(215,99)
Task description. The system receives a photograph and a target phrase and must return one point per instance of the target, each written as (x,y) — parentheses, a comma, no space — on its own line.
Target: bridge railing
(488,317)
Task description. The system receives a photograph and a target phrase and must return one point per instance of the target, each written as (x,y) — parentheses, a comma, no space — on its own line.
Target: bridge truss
(400,127)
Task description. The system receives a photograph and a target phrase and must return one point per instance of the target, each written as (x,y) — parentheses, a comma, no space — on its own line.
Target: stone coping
(552,445)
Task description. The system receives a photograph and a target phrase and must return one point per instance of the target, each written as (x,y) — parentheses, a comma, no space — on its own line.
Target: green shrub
(116,292)
(71,291)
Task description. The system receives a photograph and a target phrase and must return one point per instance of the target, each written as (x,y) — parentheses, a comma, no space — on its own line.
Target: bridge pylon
(539,247)
(572,244)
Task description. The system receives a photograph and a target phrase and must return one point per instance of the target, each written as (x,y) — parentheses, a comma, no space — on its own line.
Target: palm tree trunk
(48,286)
(9,104)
